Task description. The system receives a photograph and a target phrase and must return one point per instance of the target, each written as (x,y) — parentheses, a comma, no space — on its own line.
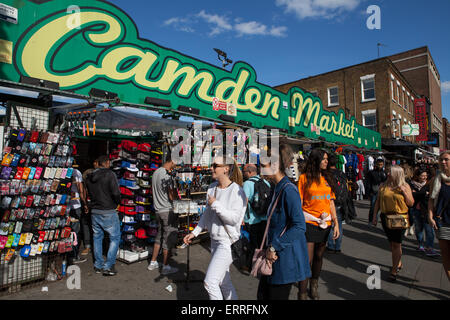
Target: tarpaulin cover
(130,119)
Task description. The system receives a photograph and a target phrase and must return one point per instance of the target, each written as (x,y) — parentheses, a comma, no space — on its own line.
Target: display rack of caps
(134,164)
(35,178)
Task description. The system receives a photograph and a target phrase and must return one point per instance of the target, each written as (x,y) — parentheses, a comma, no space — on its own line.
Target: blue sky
(286,40)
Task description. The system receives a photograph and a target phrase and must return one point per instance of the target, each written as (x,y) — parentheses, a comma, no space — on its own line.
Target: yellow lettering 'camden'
(154,68)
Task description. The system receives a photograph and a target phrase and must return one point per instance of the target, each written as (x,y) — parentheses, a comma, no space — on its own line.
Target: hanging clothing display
(341,163)
(370,163)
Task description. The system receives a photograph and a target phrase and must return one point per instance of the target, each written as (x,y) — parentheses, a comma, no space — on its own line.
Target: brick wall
(348,81)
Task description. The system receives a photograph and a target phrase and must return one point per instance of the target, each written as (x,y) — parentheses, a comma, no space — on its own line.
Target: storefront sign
(410,130)
(420,110)
(106,52)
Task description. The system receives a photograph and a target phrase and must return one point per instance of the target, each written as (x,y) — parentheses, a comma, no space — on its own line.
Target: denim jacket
(292,264)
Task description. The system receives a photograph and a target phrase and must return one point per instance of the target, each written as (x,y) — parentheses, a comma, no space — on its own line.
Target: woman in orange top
(394,197)
(315,187)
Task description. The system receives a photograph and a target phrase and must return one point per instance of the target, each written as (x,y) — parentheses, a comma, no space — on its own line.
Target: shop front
(95,55)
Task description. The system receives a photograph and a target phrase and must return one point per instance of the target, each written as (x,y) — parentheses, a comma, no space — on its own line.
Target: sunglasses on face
(216,165)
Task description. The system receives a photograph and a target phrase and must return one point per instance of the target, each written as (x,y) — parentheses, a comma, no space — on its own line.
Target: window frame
(362,79)
(369,112)
(329,97)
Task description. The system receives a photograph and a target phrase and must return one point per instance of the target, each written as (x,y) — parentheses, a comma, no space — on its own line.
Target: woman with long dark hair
(420,189)
(316,191)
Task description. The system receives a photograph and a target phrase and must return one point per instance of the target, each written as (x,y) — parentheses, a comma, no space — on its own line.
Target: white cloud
(180,24)
(445,87)
(318,8)
(256,28)
(220,23)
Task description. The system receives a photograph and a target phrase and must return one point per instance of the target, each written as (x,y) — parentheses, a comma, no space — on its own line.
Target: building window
(333,96)
(392,90)
(407,102)
(314,93)
(368,88)
(369,119)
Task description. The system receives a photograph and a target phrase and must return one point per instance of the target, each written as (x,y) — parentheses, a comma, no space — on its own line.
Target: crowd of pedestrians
(295,224)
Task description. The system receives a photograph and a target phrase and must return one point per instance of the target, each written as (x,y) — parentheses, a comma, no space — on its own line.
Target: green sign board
(84,44)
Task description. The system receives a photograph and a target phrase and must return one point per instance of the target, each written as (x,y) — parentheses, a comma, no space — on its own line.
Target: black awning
(386,143)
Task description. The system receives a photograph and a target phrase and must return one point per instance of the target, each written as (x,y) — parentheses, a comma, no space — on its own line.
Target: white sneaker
(168,270)
(153,265)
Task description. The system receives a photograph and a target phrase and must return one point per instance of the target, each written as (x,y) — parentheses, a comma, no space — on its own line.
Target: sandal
(399,268)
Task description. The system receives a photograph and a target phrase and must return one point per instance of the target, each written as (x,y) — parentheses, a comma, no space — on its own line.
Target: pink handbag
(260,265)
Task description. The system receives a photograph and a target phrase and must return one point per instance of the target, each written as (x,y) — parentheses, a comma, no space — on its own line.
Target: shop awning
(128,121)
(397,143)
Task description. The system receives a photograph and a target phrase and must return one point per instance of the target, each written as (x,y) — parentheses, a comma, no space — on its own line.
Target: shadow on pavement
(350,289)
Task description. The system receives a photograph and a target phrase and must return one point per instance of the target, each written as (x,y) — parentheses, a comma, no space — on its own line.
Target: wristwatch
(272,249)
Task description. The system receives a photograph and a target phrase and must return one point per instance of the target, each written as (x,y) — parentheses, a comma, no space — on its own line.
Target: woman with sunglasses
(286,246)
(223,217)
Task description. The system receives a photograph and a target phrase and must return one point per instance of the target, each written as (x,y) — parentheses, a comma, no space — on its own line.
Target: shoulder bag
(397,221)
(260,265)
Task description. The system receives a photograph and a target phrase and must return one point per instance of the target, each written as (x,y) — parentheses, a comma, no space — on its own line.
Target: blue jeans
(373,199)
(422,225)
(110,223)
(336,244)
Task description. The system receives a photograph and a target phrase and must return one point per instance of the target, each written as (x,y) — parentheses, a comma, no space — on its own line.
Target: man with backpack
(259,195)
(345,209)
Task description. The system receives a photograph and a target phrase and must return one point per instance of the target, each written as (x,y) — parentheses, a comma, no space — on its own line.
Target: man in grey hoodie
(104,192)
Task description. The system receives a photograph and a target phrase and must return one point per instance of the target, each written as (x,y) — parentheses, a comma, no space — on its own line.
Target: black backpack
(341,191)
(261,197)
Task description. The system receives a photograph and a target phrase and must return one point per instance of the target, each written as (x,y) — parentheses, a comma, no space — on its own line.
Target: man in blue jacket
(254,224)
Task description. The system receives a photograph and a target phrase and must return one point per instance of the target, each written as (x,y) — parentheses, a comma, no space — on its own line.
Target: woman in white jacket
(226,207)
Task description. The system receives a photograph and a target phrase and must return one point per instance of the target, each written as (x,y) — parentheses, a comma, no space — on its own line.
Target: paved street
(343,276)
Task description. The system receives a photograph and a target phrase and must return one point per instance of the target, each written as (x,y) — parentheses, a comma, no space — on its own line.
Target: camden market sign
(99,46)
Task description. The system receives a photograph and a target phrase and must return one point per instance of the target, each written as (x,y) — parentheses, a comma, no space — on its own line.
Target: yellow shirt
(392,201)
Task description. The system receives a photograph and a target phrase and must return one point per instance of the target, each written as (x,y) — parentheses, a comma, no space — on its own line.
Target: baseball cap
(126,192)
(144,183)
(129,184)
(141,234)
(143,156)
(127,210)
(127,202)
(129,145)
(129,166)
(128,175)
(128,219)
(144,147)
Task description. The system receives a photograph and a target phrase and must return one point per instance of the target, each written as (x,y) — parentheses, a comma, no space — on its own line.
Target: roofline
(328,72)
(386,59)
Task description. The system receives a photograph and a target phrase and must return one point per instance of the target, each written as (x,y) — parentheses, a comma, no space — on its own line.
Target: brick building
(376,93)
(418,67)
(446,129)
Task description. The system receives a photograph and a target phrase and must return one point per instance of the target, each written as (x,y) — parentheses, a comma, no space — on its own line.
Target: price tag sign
(8,13)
